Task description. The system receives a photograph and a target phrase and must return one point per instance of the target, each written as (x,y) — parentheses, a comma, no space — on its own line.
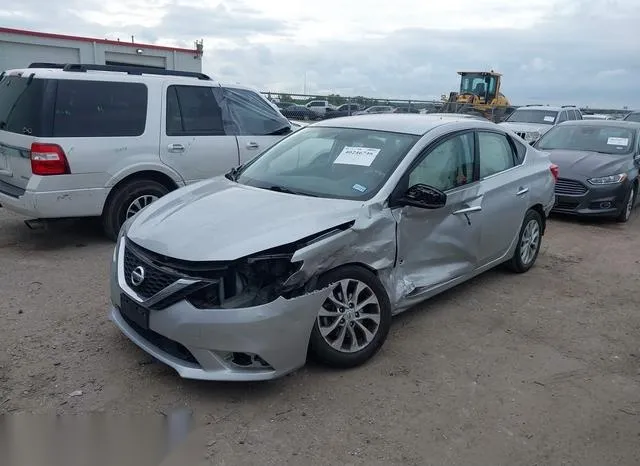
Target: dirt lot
(540,368)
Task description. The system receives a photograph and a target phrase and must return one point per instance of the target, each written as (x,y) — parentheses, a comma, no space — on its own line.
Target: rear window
(21,103)
(99,109)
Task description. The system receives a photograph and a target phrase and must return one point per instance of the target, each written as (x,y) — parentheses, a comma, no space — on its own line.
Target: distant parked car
(376,109)
(599,162)
(406,110)
(300,112)
(314,245)
(320,106)
(283,105)
(343,110)
(633,116)
(533,121)
(596,116)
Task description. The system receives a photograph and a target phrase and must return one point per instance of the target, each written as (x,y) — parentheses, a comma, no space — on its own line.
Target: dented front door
(439,245)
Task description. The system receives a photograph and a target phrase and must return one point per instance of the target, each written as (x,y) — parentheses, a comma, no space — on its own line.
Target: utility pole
(305,83)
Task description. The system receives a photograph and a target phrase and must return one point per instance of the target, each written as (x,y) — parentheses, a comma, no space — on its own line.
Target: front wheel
(354,321)
(629,200)
(529,243)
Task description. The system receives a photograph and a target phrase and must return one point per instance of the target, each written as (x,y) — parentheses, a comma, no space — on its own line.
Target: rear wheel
(629,200)
(128,200)
(354,321)
(529,243)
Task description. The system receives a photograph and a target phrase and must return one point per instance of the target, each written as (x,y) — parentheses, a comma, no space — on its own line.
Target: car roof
(632,125)
(408,123)
(551,108)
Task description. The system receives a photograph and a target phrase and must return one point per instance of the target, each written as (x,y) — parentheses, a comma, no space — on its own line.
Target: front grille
(570,187)
(155,279)
(165,344)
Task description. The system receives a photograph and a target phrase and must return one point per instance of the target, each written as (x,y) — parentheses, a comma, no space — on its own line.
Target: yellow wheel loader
(479,95)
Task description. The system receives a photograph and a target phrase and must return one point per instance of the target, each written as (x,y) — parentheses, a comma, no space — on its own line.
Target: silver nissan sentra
(312,246)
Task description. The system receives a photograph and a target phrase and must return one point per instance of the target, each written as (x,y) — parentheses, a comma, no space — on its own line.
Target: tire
(530,237)
(627,205)
(350,322)
(120,206)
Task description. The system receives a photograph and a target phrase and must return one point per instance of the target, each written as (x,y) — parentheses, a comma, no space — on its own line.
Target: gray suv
(106,141)
(532,121)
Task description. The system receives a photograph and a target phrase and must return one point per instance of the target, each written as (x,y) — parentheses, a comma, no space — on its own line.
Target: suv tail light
(48,159)
(555,171)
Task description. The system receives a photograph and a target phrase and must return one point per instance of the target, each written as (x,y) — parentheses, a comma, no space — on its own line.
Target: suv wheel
(128,200)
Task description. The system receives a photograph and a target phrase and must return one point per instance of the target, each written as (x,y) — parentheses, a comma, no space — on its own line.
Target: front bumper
(597,201)
(207,344)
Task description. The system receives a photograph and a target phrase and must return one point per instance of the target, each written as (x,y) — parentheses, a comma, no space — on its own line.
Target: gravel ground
(541,368)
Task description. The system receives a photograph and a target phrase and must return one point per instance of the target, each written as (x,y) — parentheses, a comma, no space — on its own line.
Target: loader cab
(482,84)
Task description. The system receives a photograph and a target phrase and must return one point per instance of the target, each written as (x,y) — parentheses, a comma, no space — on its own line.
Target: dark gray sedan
(598,163)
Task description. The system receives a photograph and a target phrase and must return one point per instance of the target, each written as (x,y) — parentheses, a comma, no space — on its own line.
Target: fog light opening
(605,205)
(248,361)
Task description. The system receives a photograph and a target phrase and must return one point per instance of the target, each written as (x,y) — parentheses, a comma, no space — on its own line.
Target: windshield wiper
(281,131)
(282,189)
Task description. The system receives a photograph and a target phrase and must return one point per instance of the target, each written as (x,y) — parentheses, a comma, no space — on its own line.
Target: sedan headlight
(611,179)
(531,136)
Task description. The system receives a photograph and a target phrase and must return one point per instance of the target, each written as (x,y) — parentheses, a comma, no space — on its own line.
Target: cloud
(581,52)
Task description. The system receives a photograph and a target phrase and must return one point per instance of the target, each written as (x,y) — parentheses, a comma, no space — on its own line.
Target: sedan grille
(570,187)
(155,279)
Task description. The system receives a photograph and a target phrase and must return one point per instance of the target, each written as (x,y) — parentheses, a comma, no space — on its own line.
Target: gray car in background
(598,162)
(316,243)
(532,121)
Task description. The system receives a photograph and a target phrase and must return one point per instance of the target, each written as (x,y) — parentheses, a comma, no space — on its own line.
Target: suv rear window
(21,103)
(99,109)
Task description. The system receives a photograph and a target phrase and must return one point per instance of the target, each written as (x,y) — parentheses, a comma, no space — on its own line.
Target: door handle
(522,191)
(468,210)
(175,148)
(253,145)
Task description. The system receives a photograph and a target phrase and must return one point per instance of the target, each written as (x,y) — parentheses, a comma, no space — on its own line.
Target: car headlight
(531,136)
(611,179)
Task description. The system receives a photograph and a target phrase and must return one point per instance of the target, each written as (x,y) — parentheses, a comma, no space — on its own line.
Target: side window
(193,111)
(496,154)
(578,115)
(562,117)
(99,109)
(21,106)
(252,115)
(448,165)
(521,150)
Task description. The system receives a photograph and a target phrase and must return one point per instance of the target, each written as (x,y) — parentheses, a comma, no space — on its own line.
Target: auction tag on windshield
(363,156)
(549,119)
(618,141)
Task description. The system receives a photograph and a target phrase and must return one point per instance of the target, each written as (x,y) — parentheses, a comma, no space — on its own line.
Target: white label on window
(549,118)
(618,141)
(359,187)
(363,156)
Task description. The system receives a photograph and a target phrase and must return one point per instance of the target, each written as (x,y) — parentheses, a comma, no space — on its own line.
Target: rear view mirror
(423,196)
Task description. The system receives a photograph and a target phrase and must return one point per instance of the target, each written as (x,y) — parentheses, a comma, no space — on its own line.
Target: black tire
(625,212)
(516,264)
(322,351)
(115,210)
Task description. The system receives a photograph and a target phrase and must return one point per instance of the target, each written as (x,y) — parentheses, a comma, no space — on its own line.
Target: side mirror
(424,197)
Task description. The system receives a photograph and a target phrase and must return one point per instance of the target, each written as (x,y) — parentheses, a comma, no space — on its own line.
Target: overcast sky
(583,52)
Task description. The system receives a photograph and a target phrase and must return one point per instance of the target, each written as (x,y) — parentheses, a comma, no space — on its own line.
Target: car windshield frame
(352,187)
(533,111)
(633,117)
(615,149)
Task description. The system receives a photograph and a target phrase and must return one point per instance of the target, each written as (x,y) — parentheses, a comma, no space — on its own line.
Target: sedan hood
(220,220)
(587,164)
(526,127)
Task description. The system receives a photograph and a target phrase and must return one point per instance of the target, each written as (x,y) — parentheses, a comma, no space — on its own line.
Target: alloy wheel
(140,203)
(529,242)
(349,319)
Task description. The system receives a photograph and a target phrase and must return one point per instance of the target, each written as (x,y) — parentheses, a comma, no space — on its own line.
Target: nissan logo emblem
(137,276)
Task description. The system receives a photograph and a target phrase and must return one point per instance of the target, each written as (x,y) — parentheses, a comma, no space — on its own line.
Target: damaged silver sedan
(312,246)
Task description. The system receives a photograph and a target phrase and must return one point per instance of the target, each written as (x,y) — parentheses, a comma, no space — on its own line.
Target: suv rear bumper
(57,204)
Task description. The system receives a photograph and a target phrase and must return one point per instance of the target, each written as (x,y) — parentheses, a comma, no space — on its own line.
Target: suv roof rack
(132,69)
(568,106)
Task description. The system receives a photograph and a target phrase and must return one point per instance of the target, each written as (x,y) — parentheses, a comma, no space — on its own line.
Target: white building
(20,48)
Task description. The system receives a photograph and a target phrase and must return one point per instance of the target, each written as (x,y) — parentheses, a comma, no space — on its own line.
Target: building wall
(20,50)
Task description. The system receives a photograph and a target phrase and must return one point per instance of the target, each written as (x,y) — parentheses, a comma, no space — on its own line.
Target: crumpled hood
(587,164)
(526,127)
(220,220)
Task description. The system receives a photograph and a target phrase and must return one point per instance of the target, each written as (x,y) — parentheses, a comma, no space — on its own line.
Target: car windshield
(541,117)
(604,139)
(343,163)
(633,117)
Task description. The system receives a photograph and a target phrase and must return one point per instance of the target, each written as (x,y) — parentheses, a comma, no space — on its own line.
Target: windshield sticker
(618,141)
(549,119)
(359,187)
(362,156)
